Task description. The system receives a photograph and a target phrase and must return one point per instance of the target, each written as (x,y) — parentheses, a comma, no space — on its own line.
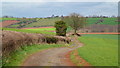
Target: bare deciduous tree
(76,21)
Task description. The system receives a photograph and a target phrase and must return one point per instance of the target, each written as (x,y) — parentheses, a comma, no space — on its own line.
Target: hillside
(44,22)
(107,21)
(50,22)
(8,22)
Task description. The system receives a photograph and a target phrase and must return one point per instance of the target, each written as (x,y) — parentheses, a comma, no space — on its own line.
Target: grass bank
(17,57)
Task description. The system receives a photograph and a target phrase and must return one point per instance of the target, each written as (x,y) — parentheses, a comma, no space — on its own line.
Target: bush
(51,40)
(60,28)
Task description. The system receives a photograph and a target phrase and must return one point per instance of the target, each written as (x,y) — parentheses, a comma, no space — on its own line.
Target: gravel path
(53,56)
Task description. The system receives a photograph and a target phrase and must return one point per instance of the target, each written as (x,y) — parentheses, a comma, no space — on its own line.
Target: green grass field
(99,50)
(50,22)
(8,19)
(43,22)
(108,21)
(15,25)
(46,31)
(17,57)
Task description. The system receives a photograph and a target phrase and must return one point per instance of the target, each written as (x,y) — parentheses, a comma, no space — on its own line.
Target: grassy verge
(17,57)
(72,57)
(39,30)
(99,50)
(74,60)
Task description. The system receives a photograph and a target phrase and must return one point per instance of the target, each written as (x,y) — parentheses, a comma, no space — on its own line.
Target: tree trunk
(75,32)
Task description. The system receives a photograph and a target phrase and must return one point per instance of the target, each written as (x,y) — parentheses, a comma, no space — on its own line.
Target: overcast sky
(45,9)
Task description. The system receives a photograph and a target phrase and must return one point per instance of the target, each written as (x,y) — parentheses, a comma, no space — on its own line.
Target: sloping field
(108,21)
(43,22)
(51,21)
(99,50)
(8,22)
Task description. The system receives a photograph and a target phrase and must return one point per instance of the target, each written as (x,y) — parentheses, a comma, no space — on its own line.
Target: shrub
(51,40)
(60,28)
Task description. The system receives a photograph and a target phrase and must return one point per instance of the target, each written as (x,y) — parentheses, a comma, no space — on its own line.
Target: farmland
(107,21)
(98,50)
(59,34)
(8,22)
(50,22)
(4,19)
(99,46)
(47,31)
(105,53)
(43,22)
